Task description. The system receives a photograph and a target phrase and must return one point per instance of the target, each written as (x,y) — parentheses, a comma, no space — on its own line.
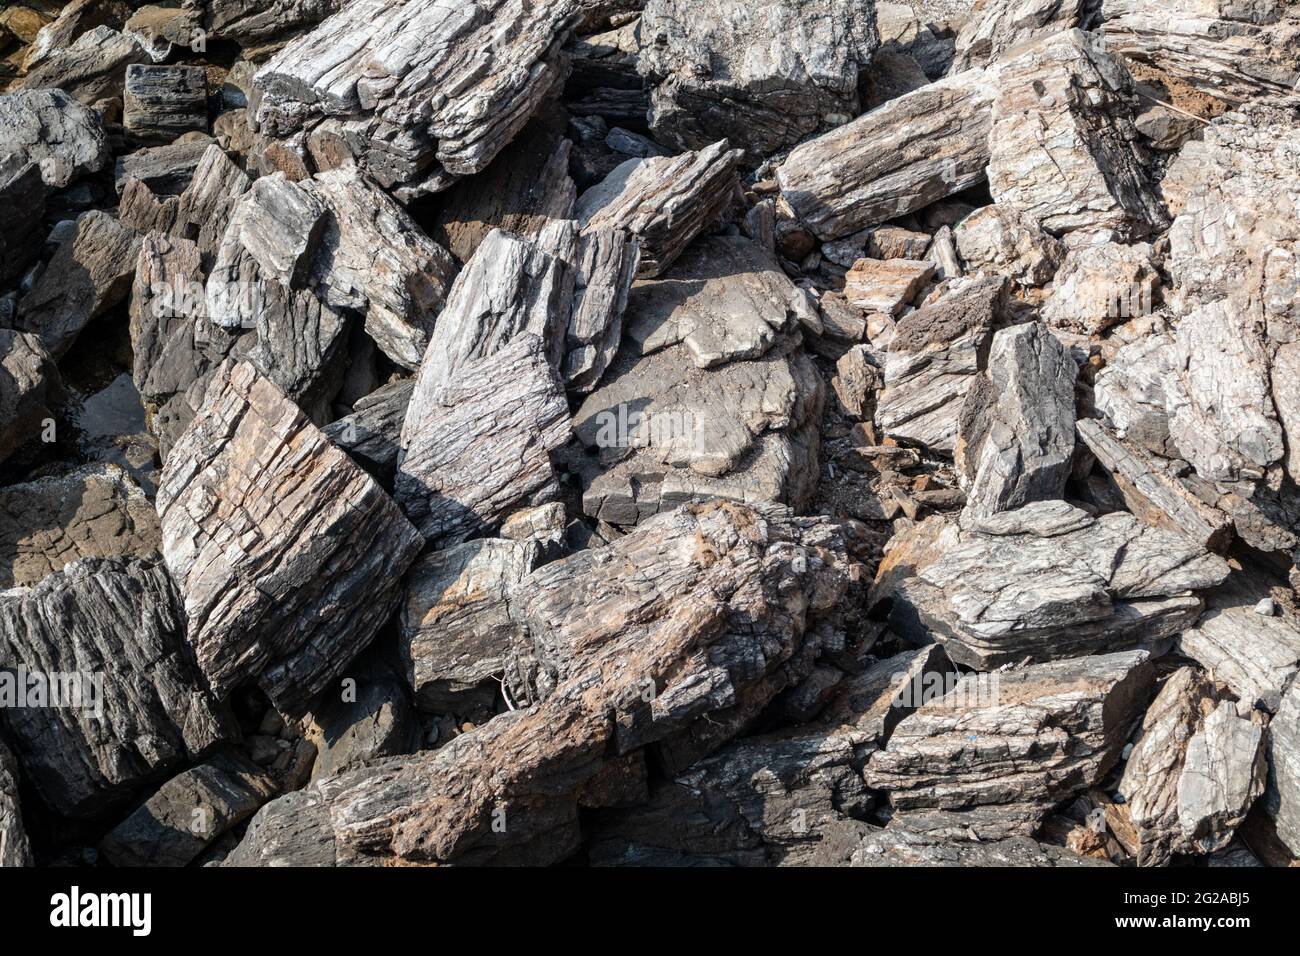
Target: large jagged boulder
(51,129)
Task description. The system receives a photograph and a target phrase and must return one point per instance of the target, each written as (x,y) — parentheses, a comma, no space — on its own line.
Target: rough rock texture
(370,717)
(14,847)
(29,389)
(1282,800)
(653,664)
(51,129)
(90,69)
(1100,286)
(898,847)
(605,263)
(134,706)
(763,73)
(1002,240)
(161,103)
(245,500)
(244,20)
(1195,769)
(885,285)
(663,201)
(996,26)
(1016,438)
(1044,581)
(372,434)
(22,209)
(415,115)
(93,512)
(188,812)
(988,763)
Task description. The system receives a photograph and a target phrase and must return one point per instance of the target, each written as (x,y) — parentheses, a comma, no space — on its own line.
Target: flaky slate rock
(245,500)
(997,26)
(1016,435)
(898,158)
(249,20)
(51,129)
(664,201)
(416,115)
(886,285)
(1282,800)
(166,170)
(96,511)
(1062,147)
(605,263)
(1001,240)
(993,759)
(90,272)
(1044,581)
(456,631)
(160,103)
(372,434)
(899,847)
(763,74)
(22,209)
(30,389)
(15,850)
(932,362)
(91,68)
(1102,285)
(1195,769)
(115,626)
(188,812)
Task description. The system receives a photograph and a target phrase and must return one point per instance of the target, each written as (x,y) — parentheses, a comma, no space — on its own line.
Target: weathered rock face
(106,637)
(1000,25)
(456,629)
(243,20)
(1102,285)
(1016,438)
(897,847)
(14,847)
(188,812)
(1004,241)
(663,201)
(1065,91)
(372,434)
(651,665)
(605,263)
(29,389)
(245,500)
(161,103)
(1044,581)
(370,718)
(90,69)
(51,129)
(988,759)
(898,158)
(1222,48)
(94,512)
(22,207)
(1195,769)
(358,88)
(763,74)
(1282,801)
(934,356)
(885,285)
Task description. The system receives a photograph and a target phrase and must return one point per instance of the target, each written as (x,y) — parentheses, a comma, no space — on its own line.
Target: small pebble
(1267,607)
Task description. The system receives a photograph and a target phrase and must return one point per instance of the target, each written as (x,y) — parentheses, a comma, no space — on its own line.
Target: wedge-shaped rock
(456,629)
(664,201)
(1062,147)
(479,446)
(91,68)
(1016,440)
(605,263)
(995,753)
(94,512)
(188,812)
(287,554)
(1227,50)
(15,849)
(1282,800)
(726,299)
(89,274)
(166,170)
(280,224)
(50,128)
(763,74)
(372,434)
(1102,285)
(375,259)
(629,654)
(1043,582)
(1195,769)
(900,157)
(667,431)
(1001,240)
(22,209)
(999,25)
(417,115)
(1256,655)
(1153,491)
(30,388)
(163,102)
(932,362)
(107,638)
(244,20)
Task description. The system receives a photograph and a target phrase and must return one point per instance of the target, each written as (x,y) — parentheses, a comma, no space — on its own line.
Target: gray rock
(369,718)
(15,850)
(898,847)
(995,27)
(161,103)
(1282,800)
(90,69)
(51,129)
(22,208)
(30,388)
(1102,285)
(372,434)
(166,170)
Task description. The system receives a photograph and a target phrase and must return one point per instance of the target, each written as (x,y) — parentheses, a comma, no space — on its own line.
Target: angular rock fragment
(1044,581)
(663,201)
(188,812)
(1130,392)
(90,69)
(51,129)
(247,20)
(372,434)
(1000,25)
(371,718)
(1282,800)
(763,74)
(1004,241)
(302,348)
(887,285)
(898,158)
(93,512)
(15,850)
(89,273)
(1016,437)
(29,389)
(898,847)
(478,446)
(245,500)
(161,103)
(166,170)
(1195,769)
(456,631)
(606,265)
(416,115)
(280,224)
(1100,286)
(1062,147)
(22,209)
(933,358)
(105,638)
(991,756)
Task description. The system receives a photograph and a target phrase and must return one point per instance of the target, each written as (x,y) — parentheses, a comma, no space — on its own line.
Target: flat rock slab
(245,500)
(51,129)
(1043,582)
(108,636)
(886,285)
(161,103)
(93,512)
